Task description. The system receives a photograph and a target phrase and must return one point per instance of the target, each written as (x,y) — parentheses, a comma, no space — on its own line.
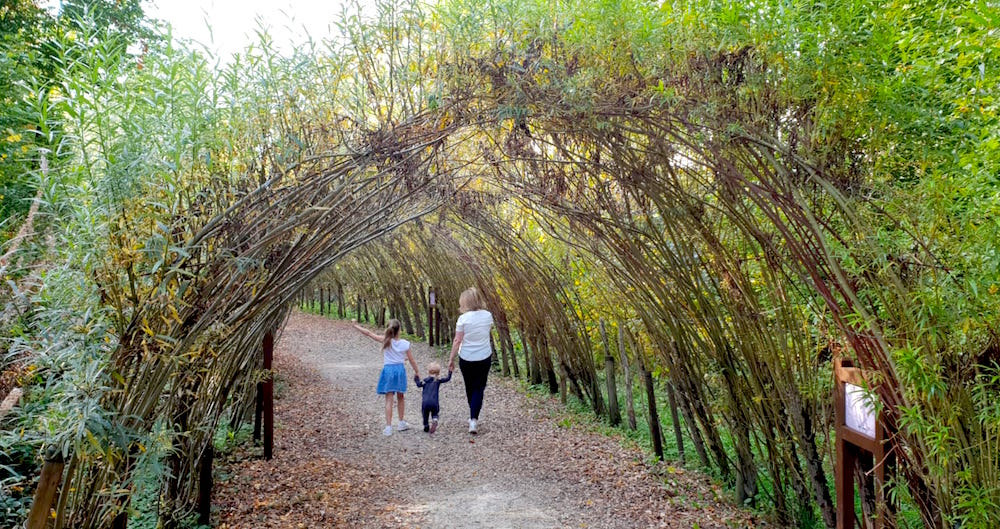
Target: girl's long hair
(391,331)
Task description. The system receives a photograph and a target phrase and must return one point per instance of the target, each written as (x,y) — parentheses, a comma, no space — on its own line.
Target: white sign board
(433,299)
(859,414)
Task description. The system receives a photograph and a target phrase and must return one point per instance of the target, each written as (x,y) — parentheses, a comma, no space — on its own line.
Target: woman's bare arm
(456,344)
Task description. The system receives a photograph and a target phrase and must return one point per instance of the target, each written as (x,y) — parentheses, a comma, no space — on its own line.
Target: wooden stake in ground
(614,414)
(48,486)
(629,404)
(268,397)
(654,416)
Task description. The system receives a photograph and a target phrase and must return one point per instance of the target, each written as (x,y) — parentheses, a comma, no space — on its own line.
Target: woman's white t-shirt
(476,325)
(396,352)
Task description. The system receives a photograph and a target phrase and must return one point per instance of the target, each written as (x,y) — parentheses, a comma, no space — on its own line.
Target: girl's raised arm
(368,333)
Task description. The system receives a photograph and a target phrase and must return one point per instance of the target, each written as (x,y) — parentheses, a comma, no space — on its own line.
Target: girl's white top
(476,325)
(396,352)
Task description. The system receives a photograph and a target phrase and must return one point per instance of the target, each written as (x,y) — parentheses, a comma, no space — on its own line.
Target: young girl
(392,381)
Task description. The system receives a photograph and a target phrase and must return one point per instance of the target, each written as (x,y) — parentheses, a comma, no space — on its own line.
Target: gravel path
(531,466)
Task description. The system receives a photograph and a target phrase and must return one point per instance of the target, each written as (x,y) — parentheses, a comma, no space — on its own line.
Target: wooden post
(563,382)
(120,521)
(858,433)
(437,326)
(678,436)
(654,416)
(431,302)
(205,485)
(504,354)
(534,369)
(614,414)
(268,397)
(48,489)
(846,459)
(623,354)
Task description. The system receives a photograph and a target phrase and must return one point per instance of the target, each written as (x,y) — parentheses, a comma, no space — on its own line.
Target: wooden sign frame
(856,445)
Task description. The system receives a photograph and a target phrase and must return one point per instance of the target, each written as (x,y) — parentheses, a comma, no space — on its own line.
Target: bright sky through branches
(234,23)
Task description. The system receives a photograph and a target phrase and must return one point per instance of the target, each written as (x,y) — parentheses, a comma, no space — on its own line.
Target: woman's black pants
(474,373)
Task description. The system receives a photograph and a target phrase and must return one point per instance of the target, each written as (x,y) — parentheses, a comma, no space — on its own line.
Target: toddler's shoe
(434,424)
(388,431)
(403,426)
(427,428)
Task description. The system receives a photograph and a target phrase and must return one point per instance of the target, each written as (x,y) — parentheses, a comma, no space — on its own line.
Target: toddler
(431,385)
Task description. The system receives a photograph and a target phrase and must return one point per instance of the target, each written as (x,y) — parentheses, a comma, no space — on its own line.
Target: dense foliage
(725,195)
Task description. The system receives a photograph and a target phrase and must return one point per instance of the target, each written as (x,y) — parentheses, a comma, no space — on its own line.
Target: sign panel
(433,299)
(859,414)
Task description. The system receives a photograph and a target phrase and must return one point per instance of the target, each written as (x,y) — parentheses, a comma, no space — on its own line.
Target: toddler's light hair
(434,368)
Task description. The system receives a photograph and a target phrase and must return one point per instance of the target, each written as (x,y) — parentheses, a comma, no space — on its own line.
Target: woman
(472,343)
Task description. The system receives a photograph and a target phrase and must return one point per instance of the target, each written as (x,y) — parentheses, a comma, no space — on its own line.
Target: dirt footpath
(530,467)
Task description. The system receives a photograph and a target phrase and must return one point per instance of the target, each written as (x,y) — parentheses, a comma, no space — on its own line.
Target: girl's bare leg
(388,409)
(402,404)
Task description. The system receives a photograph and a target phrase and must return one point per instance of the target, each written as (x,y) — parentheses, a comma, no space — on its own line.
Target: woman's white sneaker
(472,426)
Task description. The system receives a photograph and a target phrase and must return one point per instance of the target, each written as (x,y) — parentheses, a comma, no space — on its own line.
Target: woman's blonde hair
(470,300)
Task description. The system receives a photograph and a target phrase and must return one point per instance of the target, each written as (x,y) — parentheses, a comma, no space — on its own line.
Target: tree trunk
(814,463)
(503,329)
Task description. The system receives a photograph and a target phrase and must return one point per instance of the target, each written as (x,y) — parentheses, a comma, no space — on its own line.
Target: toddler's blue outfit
(430,405)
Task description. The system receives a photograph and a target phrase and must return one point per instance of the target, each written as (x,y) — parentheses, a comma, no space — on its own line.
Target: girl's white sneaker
(388,431)
(403,426)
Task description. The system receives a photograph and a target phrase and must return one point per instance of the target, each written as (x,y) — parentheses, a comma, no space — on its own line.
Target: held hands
(416,378)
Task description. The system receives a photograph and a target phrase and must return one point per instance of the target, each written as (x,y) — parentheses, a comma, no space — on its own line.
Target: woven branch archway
(673,172)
